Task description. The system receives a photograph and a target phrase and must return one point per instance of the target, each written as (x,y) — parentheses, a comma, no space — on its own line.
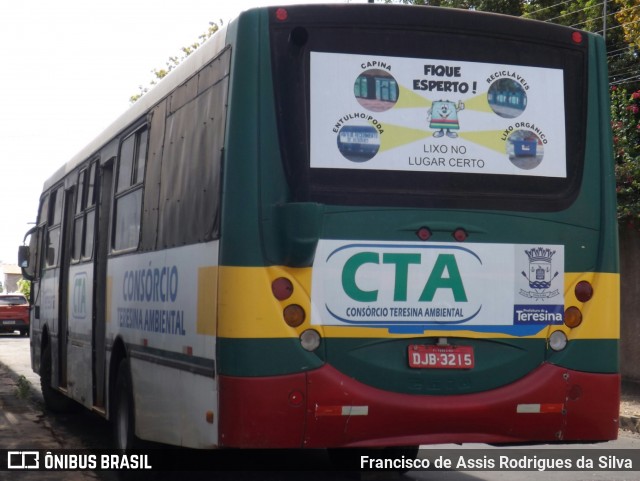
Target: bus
(214,271)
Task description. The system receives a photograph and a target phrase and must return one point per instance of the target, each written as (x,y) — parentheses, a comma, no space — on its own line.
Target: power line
(604,18)
(618,73)
(624,50)
(574,12)
(600,31)
(628,80)
(625,9)
(612,14)
(547,8)
(619,26)
(611,57)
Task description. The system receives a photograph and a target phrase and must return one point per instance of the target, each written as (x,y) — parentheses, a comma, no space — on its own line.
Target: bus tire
(123,409)
(54,400)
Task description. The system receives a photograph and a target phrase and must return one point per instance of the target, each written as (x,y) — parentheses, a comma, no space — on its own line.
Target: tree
(628,16)
(625,112)
(174,61)
(24,286)
(619,22)
(624,58)
(508,7)
(624,77)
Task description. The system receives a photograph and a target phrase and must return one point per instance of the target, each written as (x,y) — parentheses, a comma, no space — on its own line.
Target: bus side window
(90,213)
(84,215)
(42,229)
(128,197)
(78,223)
(53,228)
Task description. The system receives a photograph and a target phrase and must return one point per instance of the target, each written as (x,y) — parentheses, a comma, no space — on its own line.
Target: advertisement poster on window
(428,115)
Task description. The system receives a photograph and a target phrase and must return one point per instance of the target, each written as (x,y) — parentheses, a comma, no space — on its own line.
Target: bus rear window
(429,114)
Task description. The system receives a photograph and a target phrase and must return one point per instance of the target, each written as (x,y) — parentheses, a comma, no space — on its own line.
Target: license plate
(8,323)
(441,357)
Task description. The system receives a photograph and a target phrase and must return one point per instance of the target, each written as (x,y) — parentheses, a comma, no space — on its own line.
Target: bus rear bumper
(324,408)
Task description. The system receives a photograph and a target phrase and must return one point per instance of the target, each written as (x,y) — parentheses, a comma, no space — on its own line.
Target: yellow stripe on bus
(207,300)
(248,309)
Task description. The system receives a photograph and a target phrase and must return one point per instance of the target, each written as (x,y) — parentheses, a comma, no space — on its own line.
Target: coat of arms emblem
(540,273)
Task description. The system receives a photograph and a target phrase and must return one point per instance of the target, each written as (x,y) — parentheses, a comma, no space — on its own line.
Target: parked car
(14,313)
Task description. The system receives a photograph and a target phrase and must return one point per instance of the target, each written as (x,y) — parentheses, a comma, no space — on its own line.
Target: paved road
(24,425)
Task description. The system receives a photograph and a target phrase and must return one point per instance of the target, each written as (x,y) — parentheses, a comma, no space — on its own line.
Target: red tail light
(424,233)
(282,14)
(282,288)
(460,234)
(584,291)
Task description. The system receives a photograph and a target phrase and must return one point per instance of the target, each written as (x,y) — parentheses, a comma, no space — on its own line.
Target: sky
(67,70)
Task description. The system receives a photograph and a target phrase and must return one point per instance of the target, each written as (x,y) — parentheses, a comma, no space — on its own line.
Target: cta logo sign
(399,286)
(79,295)
(443,274)
(411,287)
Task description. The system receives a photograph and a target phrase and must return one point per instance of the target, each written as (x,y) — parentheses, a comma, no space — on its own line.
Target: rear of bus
(418,231)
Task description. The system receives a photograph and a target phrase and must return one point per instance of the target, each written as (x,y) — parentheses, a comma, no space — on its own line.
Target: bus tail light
(294,315)
(424,233)
(576,37)
(282,14)
(460,234)
(282,288)
(572,317)
(584,291)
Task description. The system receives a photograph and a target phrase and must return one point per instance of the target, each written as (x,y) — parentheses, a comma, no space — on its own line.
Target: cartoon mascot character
(443,115)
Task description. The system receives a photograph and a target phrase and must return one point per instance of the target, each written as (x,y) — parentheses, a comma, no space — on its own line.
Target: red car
(14,313)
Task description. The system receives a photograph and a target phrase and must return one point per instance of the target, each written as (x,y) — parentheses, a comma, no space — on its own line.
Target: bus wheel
(54,400)
(124,414)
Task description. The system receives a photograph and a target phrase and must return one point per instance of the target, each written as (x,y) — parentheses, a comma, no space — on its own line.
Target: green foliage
(174,61)
(508,7)
(23,388)
(24,287)
(628,16)
(625,112)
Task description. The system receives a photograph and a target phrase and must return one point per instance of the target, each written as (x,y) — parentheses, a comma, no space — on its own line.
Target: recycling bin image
(525,148)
